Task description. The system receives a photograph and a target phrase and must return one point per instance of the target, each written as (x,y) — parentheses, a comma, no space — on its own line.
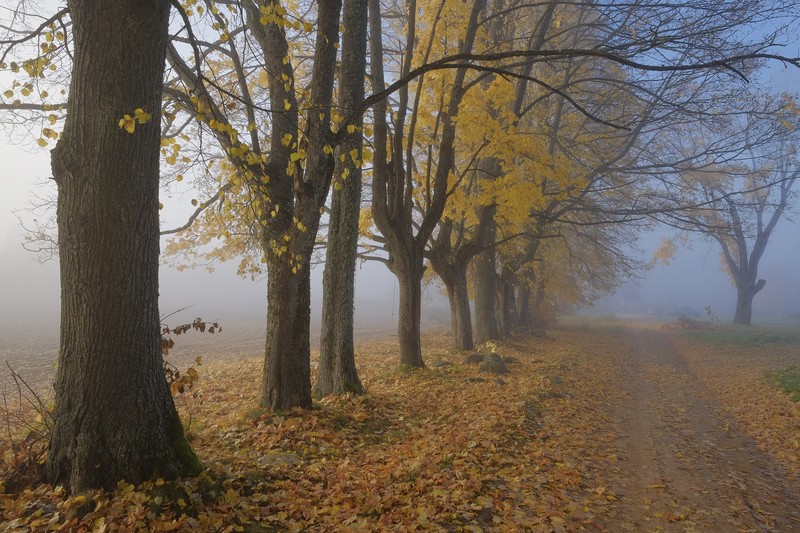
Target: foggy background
(29,291)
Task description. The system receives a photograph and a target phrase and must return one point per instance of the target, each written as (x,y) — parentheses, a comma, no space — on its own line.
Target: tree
(114,414)
(741,186)
(244,86)
(632,89)
(394,198)
(337,370)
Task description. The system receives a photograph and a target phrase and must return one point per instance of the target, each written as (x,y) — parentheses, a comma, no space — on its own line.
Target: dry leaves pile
(446,448)
(443,449)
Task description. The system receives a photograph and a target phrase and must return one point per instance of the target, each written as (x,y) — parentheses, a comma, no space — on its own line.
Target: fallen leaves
(423,450)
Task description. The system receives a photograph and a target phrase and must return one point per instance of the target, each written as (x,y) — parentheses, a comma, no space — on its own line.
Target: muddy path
(683,463)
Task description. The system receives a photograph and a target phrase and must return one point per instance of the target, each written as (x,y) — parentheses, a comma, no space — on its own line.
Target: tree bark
(460,314)
(506,306)
(450,262)
(486,288)
(299,195)
(744,302)
(287,368)
(524,308)
(337,366)
(409,278)
(114,414)
(540,318)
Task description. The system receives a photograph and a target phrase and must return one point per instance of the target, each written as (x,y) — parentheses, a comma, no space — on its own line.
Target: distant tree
(114,414)
(739,186)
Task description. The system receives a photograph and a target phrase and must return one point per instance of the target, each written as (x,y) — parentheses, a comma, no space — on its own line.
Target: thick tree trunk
(524,308)
(289,236)
(287,368)
(114,414)
(451,266)
(460,314)
(744,302)
(409,278)
(539,325)
(486,289)
(506,307)
(337,366)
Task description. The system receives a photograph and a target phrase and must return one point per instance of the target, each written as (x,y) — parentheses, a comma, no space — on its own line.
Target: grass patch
(787,380)
(754,336)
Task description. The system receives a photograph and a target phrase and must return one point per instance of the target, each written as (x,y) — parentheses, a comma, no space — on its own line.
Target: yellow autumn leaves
(129,122)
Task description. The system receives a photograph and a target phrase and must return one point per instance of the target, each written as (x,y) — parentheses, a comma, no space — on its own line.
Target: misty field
(606,425)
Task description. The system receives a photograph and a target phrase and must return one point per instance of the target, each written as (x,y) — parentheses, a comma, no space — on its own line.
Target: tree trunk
(506,307)
(409,277)
(460,314)
(337,366)
(114,414)
(289,236)
(524,308)
(451,264)
(744,302)
(539,312)
(486,289)
(287,367)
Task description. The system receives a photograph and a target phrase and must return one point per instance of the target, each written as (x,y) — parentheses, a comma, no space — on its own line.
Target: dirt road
(683,463)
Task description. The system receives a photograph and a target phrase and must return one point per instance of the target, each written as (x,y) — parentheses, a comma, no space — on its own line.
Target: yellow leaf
(286,105)
(52,118)
(9,94)
(141,115)
(41,142)
(351,128)
(128,123)
(327,149)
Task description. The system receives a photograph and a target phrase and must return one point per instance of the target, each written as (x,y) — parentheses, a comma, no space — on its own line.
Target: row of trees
(512,144)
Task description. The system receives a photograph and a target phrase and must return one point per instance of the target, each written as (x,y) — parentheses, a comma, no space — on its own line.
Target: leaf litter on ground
(441,449)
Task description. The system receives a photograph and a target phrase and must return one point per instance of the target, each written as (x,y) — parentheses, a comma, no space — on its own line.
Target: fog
(690,282)
(29,291)
(694,279)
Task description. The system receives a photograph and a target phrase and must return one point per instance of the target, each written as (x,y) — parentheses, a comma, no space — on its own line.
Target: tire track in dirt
(683,465)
